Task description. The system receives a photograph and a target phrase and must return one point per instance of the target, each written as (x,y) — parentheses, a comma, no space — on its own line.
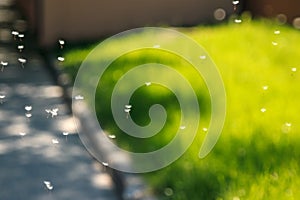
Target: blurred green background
(257,156)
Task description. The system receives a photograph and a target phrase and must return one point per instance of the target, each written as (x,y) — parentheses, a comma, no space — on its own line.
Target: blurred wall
(89,19)
(271,8)
(29,9)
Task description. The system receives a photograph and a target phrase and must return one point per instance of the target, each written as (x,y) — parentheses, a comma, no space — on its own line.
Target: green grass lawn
(258,154)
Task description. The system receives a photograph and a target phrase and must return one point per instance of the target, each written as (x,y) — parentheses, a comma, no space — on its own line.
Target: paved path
(34,149)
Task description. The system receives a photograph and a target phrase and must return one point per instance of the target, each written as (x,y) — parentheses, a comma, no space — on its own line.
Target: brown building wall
(89,19)
(272,8)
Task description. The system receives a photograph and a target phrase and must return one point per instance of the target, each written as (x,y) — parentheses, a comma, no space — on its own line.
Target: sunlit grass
(258,154)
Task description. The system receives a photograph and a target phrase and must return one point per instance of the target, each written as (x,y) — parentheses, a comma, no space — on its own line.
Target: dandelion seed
(263,110)
(22,61)
(55,141)
(47,182)
(65,133)
(127,110)
(274,43)
(28,108)
(105,164)
(61,59)
(22,134)
(235,2)
(21,36)
(277,32)
(61,43)
(3,64)
(28,115)
(156,46)
(48,185)
(112,136)
(202,57)
(238,21)
(53,112)
(182,127)
(20,47)
(2,97)
(15,33)
(79,97)
(265,87)
(148,83)
(294,69)
(205,129)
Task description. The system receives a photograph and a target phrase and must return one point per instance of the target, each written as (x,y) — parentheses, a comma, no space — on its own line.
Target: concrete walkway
(38,161)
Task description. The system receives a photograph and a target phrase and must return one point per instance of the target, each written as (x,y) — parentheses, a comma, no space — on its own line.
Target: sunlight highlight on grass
(257,157)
